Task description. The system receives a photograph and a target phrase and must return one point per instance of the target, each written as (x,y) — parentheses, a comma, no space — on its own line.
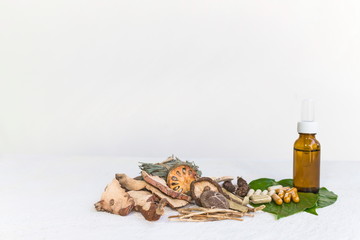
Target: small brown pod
(228,185)
(277,199)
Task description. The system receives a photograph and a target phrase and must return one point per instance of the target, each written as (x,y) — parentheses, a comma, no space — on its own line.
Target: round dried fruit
(243,187)
(229,186)
(179,178)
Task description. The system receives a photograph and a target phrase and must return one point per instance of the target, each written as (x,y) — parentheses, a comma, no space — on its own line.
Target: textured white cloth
(52,198)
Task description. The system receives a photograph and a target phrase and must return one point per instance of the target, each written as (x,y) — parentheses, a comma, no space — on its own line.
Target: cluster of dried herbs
(175,183)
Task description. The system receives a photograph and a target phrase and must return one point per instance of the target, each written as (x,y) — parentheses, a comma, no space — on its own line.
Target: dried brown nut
(197,188)
(212,199)
(229,186)
(180,177)
(243,188)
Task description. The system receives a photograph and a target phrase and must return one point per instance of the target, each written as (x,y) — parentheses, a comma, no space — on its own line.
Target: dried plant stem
(259,208)
(209,211)
(200,214)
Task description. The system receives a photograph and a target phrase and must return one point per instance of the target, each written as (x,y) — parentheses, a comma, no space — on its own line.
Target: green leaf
(312,210)
(307,200)
(286,182)
(262,183)
(326,198)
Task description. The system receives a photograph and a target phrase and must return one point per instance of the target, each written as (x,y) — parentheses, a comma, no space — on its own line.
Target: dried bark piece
(232,197)
(197,188)
(236,206)
(159,184)
(212,199)
(172,202)
(180,177)
(115,200)
(130,183)
(133,184)
(146,205)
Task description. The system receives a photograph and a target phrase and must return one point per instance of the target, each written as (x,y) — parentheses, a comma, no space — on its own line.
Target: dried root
(205,215)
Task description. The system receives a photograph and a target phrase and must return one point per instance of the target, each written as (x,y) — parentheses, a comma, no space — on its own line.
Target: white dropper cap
(307,124)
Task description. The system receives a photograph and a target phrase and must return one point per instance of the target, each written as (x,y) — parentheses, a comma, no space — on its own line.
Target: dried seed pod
(229,186)
(180,177)
(243,187)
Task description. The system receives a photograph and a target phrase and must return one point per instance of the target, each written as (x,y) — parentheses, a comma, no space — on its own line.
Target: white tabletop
(52,197)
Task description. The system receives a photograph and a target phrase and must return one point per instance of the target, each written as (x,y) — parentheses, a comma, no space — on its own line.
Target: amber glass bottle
(306,166)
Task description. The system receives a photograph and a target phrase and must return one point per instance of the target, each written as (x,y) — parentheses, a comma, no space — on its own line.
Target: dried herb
(162,169)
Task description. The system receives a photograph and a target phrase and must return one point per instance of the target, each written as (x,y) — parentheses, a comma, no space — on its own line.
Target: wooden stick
(209,211)
(192,209)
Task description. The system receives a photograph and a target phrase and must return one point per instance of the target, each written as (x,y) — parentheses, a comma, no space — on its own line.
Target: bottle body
(306,165)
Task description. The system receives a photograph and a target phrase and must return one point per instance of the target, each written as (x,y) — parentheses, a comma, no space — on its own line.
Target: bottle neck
(307,135)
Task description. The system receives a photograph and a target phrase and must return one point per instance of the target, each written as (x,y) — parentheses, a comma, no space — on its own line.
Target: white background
(199,79)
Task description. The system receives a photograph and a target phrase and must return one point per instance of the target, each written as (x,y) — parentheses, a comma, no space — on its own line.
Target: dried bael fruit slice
(180,177)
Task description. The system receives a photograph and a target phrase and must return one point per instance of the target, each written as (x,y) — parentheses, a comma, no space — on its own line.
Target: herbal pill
(265,192)
(274,187)
(287,197)
(246,201)
(277,199)
(257,192)
(258,199)
(250,193)
(271,193)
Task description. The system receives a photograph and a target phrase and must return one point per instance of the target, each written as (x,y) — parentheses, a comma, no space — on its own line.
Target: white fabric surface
(52,198)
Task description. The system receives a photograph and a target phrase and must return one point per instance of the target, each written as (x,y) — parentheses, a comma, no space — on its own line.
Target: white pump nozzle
(307,124)
(307,111)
